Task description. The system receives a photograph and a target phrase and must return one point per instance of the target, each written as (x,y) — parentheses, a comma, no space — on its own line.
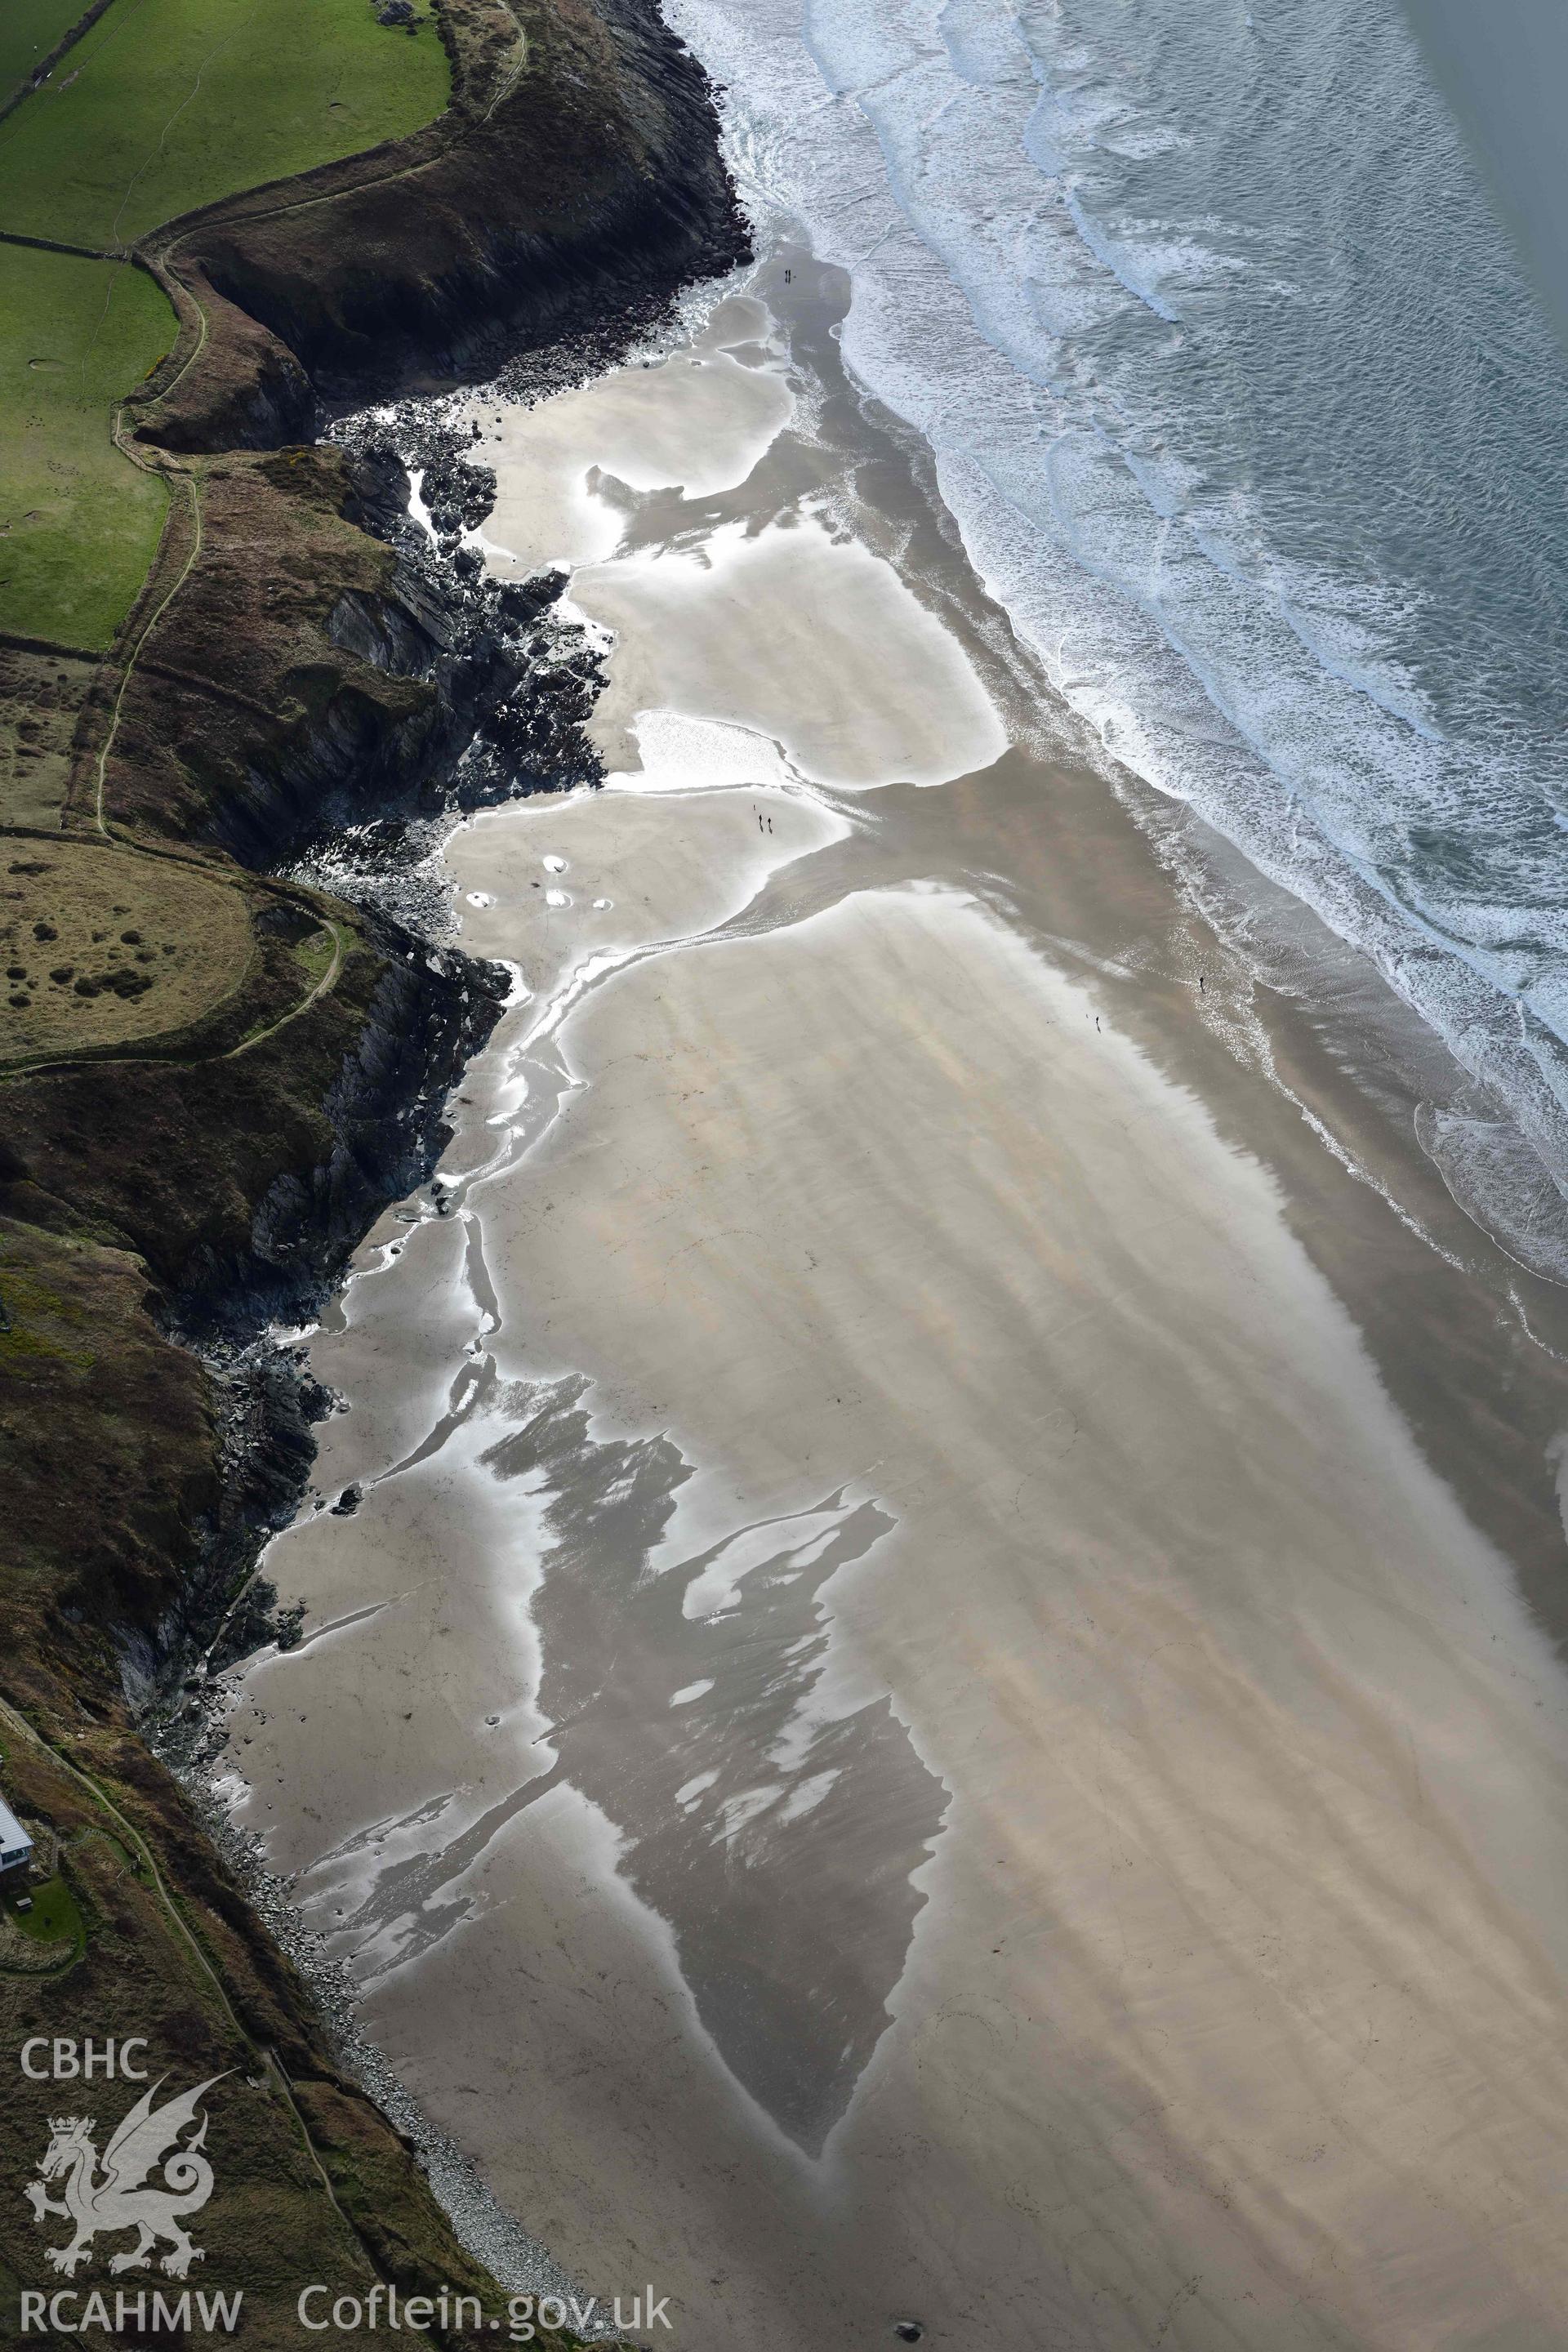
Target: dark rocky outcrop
(307,673)
(311,674)
(579,182)
(242,1180)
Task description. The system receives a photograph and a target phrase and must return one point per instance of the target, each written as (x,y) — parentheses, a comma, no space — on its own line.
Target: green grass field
(29,31)
(53,1917)
(176,103)
(78,523)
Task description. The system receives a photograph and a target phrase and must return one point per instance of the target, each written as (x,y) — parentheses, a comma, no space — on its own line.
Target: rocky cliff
(294,664)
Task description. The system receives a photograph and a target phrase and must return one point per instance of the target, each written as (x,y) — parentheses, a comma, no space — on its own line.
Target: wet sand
(698,421)
(944,1698)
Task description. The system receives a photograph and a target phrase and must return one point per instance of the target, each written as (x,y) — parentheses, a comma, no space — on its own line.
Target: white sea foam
(1042,330)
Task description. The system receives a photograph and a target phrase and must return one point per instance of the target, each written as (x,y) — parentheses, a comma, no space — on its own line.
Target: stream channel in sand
(917,1718)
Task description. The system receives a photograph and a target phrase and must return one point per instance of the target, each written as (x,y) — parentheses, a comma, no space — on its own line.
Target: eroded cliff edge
(200,1119)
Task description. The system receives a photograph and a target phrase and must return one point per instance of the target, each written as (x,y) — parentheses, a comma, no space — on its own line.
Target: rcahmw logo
(149,2180)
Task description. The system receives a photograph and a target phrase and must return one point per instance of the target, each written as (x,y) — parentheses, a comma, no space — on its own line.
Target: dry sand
(931,1708)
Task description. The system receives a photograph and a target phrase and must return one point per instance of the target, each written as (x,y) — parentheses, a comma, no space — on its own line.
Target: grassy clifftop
(158,108)
(164,105)
(81,522)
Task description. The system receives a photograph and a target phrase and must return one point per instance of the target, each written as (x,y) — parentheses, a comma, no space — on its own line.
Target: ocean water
(1249,416)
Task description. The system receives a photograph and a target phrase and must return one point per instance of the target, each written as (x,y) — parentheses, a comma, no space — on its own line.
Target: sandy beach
(943,1700)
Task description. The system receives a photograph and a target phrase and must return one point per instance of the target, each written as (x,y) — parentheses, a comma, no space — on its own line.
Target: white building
(15,1846)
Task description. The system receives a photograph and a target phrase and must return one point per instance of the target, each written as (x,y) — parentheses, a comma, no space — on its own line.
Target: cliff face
(301,671)
(576,175)
(242,1178)
(310,675)
(304,675)
(289,667)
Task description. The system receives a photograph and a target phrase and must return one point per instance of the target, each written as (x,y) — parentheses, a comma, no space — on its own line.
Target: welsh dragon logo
(118,2193)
